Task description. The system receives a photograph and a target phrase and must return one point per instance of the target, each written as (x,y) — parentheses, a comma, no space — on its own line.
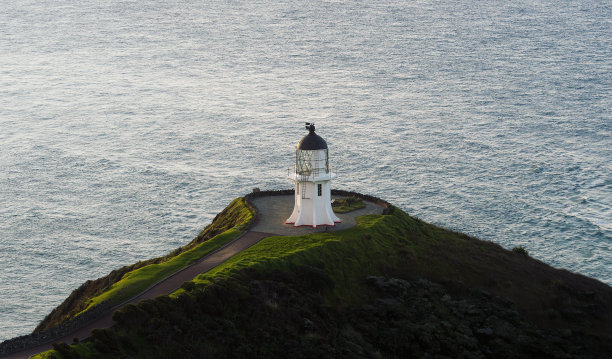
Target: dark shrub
(65,350)
(314,278)
(188,286)
(520,250)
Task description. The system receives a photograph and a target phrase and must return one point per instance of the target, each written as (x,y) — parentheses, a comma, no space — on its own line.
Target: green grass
(140,279)
(136,281)
(84,350)
(284,252)
(344,205)
(377,245)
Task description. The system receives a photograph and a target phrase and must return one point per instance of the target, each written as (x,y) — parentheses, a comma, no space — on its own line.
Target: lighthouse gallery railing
(310,174)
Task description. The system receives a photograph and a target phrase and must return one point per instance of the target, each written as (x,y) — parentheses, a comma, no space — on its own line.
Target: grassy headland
(393,286)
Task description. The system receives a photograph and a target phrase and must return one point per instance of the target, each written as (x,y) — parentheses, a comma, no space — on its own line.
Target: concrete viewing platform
(273,211)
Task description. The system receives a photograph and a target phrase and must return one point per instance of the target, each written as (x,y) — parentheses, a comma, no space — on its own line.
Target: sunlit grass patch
(138,280)
(347,204)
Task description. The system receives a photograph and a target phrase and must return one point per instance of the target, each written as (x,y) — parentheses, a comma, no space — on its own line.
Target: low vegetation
(391,287)
(347,204)
(520,250)
(136,281)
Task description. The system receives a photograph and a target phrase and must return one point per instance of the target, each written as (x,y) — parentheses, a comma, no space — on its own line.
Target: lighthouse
(312,177)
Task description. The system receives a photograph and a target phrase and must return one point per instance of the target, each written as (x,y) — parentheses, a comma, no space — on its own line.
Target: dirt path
(166,286)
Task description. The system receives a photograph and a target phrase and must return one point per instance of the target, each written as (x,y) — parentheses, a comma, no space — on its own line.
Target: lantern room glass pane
(309,162)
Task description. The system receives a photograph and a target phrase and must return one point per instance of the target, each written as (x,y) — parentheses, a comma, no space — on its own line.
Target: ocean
(125,126)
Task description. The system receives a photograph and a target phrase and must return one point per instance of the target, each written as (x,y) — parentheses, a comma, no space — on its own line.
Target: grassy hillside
(130,280)
(393,286)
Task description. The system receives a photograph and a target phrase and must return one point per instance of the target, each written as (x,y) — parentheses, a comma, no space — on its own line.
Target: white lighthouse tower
(312,176)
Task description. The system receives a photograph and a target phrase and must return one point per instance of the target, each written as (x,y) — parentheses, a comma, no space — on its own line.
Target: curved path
(272,211)
(165,286)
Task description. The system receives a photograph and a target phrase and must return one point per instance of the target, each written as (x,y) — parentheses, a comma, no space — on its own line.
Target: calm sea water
(125,126)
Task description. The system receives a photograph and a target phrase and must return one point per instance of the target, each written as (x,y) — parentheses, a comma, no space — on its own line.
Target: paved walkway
(273,211)
(165,286)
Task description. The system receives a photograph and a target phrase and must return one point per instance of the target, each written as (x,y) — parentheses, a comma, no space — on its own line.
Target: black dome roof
(312,141)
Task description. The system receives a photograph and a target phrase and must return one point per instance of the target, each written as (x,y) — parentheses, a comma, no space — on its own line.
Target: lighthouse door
(305,191)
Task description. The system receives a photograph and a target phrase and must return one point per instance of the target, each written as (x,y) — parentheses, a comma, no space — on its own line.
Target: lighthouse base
(313,205)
